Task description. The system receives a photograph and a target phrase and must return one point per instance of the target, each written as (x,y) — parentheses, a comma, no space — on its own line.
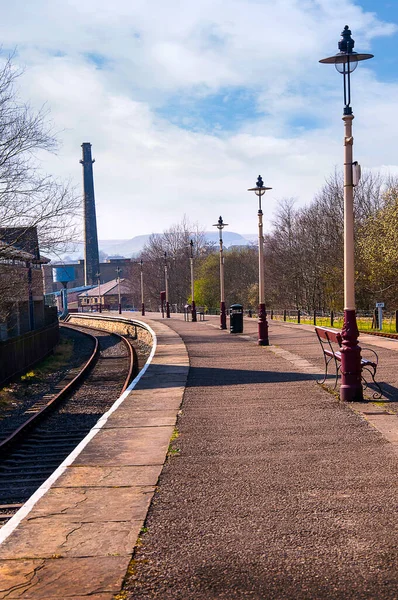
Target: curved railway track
(57,423)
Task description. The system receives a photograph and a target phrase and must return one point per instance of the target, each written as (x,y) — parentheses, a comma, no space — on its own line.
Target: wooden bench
(331,342)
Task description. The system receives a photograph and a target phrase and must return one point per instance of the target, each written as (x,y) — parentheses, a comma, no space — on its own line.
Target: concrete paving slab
(138,446)
(142,475)
(38,579)
(93,504)
(125,417)
(170,399)
(60,536)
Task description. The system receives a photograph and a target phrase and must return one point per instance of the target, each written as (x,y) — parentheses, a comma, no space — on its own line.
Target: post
(284,314)
(142,290)
(331,318)
(119,296)
(193,312)
(99,291)
(315,317)
(263,339)
(30,299)
(351,386)
(118,290)
(396,321)
(223,315)
(298,316)
(345,62)
(166,278)
(380,317)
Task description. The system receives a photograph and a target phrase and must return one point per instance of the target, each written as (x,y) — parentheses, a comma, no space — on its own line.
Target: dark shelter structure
(91,254)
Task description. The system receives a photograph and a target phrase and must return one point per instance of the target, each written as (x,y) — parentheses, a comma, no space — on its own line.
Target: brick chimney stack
(91,253)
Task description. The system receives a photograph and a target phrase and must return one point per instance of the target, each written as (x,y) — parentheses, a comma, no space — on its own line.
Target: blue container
(63,274)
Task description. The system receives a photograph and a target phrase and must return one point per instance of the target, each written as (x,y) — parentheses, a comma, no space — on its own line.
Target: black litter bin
(236,318)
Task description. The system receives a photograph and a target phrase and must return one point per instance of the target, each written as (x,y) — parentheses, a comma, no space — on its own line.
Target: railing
(366,320)
(20,353)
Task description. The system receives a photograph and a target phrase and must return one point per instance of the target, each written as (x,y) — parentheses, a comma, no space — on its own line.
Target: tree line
(303,260)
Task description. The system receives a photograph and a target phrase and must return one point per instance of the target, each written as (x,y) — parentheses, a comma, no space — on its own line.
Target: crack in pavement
(27,585)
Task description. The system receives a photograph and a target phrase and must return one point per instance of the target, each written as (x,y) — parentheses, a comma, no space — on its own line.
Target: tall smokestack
(91,254)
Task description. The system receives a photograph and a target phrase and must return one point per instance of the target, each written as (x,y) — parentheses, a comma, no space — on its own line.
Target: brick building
(22,307)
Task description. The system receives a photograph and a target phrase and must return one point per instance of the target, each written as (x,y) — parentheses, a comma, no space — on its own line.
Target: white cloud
(149,171)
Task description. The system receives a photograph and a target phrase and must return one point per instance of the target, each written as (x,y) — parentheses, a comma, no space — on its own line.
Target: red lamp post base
(223,316)
(167,310)
(351,383)
(143,309)
(120,308)
(263,339)
(193,312)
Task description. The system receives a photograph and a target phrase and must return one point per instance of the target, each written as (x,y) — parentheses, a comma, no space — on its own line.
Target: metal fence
(20,353)
(366,320)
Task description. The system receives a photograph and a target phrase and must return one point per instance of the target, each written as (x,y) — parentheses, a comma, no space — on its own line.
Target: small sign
(379,304)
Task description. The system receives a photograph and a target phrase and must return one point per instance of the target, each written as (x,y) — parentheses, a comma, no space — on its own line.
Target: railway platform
(271,488)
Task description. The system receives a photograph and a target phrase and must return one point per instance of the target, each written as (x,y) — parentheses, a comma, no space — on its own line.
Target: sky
(186,102)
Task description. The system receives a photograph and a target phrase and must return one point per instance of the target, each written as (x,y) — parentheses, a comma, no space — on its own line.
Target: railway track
(54,426)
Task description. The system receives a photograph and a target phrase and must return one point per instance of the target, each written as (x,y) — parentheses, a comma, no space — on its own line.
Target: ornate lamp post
(192,284)
(142,289)
(346,62)
(263,339)
(223,317)
(118,271)
(98,276)
(166,280)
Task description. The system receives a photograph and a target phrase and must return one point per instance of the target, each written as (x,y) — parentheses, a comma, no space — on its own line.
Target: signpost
(380,306)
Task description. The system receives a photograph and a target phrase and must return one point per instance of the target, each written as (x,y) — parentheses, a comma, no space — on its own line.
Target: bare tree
(29,197)
(175,241)
(30,200)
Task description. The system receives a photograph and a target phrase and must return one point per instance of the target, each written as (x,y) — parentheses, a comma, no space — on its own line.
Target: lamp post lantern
(118,271)
(192,283)
(346,61)
(263,339)
(223,317)
(98,276)
(142,289)
(166,280)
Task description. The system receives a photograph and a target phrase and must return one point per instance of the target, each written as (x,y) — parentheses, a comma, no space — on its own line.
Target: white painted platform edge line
(13,523)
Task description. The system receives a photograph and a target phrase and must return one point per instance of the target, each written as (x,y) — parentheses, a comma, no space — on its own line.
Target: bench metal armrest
(376,360)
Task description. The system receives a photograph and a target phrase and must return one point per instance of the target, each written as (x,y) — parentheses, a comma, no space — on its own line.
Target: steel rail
(133,368)
(34,419)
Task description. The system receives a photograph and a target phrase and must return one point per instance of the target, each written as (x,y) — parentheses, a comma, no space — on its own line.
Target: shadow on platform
(170,376)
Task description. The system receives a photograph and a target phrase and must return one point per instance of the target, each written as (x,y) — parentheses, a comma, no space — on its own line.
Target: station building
(107,295)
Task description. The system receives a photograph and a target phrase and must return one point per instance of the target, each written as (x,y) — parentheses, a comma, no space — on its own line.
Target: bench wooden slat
(329,335)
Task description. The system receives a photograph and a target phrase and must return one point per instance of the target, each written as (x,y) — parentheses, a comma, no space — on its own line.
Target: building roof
(80,288)
(109,288)
(22,238)
(8,252)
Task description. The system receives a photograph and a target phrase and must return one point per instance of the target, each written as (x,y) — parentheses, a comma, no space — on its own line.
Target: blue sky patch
(385,62)
(98,59)
(227,110)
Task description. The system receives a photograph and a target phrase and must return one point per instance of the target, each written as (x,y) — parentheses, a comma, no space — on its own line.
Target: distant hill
(131,248)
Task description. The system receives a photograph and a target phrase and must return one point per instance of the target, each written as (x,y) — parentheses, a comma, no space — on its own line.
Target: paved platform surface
(274,489)
(278,490)
(76,541)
